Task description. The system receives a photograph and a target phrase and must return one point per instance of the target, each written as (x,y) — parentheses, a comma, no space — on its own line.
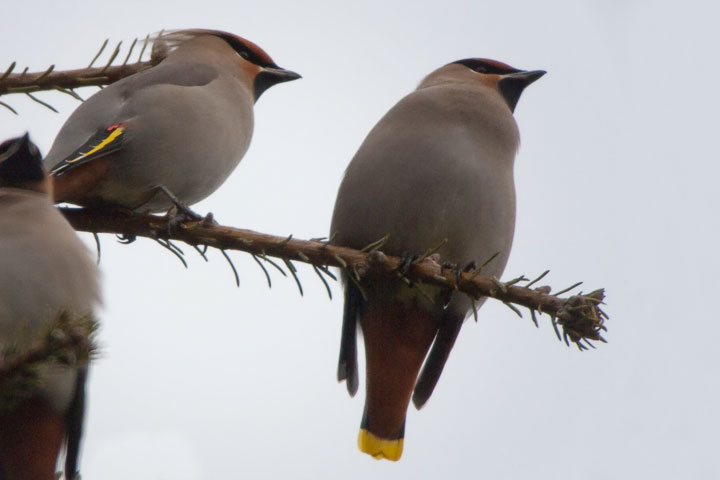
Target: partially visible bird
(171,133)
(438,165)
(45,270)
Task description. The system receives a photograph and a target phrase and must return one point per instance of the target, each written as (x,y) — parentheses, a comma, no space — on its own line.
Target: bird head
(255,63)
(508,80)
(21,165)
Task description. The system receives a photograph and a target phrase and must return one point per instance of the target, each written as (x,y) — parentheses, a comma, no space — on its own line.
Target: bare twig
(579,315)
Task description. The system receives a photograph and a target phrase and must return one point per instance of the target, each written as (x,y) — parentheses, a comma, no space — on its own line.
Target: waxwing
(44,270)
(438,165)
(177,129)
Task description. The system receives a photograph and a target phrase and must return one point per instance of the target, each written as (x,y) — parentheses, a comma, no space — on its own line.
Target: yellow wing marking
(108,140)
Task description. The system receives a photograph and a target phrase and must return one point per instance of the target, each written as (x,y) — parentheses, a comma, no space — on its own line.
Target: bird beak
(512,85)
(269,76)
(526,78)
(281,75)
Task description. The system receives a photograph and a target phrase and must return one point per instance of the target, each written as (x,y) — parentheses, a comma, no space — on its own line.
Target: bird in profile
(438,167)
(168,135)
(45,272)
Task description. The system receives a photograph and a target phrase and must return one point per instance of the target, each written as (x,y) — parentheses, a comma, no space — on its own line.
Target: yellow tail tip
(380,448)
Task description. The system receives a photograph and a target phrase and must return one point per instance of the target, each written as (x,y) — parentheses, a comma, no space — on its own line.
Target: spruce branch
(66,81)
(579,316)
(67,341)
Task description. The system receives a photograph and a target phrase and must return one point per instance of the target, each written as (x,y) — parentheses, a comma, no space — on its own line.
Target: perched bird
(176,130)
(438,165)
(45,270)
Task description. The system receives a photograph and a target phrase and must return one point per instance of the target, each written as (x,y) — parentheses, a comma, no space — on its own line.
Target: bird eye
(480,69)
(244,54)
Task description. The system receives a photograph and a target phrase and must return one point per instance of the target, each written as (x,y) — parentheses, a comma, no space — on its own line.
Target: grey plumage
(44,270)
(185,125)
(45,267)
(438,165)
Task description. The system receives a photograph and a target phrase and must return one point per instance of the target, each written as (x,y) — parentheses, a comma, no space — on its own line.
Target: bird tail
(31,435)
(397,339)
(74,421)
(347,363)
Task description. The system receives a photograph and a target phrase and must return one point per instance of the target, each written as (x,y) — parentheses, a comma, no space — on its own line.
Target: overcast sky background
(617,187)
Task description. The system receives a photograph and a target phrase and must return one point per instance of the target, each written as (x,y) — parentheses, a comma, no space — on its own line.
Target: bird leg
(180,208)
(407,260)
(180,212)
(458,271)
(470,267)
(448,294)
(111,210)
(126,239)
(447,266)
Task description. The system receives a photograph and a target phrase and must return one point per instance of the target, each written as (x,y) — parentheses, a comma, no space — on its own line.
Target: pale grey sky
(616,183)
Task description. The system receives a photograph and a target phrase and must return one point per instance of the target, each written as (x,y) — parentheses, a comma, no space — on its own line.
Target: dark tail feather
(75,418)
(435,362)
(347,364)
